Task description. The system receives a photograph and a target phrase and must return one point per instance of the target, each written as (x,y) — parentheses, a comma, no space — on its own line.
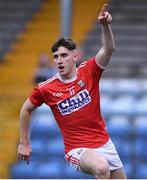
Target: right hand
(24,152)
(105,17)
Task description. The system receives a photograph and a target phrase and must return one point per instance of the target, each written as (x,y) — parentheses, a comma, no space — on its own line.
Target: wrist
(103,25)
(24,142)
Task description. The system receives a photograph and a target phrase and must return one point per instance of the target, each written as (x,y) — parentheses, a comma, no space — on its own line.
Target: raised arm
(24,149)
(108,45)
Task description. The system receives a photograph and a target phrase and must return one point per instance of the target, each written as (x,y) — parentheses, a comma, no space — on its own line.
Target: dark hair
(65,42)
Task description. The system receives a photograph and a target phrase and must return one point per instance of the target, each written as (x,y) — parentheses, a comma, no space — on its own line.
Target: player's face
(65,61)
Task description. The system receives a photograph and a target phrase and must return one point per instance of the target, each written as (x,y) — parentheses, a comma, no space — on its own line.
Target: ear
(75,55)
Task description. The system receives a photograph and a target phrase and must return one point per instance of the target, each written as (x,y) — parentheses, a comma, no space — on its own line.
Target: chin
(62,73)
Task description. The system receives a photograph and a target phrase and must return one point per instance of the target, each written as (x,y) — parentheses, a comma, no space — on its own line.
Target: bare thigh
(92,163)
(118,174)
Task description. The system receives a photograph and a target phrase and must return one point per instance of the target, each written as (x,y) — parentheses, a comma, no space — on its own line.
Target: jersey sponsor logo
(74,103)
(81,83)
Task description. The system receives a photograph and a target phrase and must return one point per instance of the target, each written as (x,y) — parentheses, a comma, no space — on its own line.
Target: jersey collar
(67,80)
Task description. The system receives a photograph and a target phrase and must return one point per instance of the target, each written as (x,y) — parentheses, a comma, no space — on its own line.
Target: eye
(64,55)
(55,56)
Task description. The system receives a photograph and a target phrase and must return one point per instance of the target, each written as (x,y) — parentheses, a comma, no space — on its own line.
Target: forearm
(107,39)
(24,148)
(24,126)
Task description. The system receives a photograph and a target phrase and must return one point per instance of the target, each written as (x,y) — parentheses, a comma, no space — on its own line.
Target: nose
(59,60)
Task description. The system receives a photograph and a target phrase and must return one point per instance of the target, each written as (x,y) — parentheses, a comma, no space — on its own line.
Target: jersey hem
(97,146)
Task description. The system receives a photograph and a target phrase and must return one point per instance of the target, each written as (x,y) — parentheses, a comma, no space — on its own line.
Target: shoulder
(87,64)
(90,64)
(48,82)
(84,63)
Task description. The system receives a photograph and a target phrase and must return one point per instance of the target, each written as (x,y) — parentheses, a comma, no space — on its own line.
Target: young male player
(73,96)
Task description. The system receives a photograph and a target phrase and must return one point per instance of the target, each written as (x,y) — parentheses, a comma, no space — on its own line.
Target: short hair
(64,42)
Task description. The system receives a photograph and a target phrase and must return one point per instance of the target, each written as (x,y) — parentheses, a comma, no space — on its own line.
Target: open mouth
(61,67)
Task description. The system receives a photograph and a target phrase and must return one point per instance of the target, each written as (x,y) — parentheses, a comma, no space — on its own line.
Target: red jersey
(76,106)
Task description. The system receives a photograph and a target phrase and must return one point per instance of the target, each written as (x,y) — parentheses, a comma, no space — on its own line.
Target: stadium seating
(141,172)
(106,104)
(23,171)
(141,106)
(42,130)
(70,173)
(123,105)
(55,147)
(140,149)
(107,86)
(49,170)
(13,18)
(128,168)
(141,126)
(38,150)
(119,126)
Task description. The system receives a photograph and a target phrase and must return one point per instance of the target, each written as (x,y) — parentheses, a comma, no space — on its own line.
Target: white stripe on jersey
(47,81)
(82,64)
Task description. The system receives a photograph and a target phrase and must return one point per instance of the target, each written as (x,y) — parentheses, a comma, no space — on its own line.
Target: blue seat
(119,126)
(43,114)
(141,106)
(107,86)
(141,126)
(128,166)
(143,87)
(49,170)
(38,149)
(128,87)
(43,108)
(141,171)
(140,149)
(43,124)
(41,130)
(124,147)
(106,104)
(55,147)
(23,171)
(122,105)
(70,173)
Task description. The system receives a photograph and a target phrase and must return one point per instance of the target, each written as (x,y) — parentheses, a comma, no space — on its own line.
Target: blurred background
(27,30)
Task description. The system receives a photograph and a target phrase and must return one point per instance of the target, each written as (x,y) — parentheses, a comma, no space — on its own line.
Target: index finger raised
(104,8)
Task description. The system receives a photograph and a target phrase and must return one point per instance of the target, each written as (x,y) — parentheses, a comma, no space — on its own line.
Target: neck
(68,78)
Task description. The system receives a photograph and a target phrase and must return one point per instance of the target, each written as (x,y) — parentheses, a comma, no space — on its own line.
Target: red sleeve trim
(33,102)
(100,66)
(36,97)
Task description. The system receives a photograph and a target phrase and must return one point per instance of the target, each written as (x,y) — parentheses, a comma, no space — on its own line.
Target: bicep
(28,106)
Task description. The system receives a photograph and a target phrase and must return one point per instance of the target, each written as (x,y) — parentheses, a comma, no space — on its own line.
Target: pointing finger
(104,8)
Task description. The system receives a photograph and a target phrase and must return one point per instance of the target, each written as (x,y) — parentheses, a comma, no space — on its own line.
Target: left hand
(24,151)
(104,17)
